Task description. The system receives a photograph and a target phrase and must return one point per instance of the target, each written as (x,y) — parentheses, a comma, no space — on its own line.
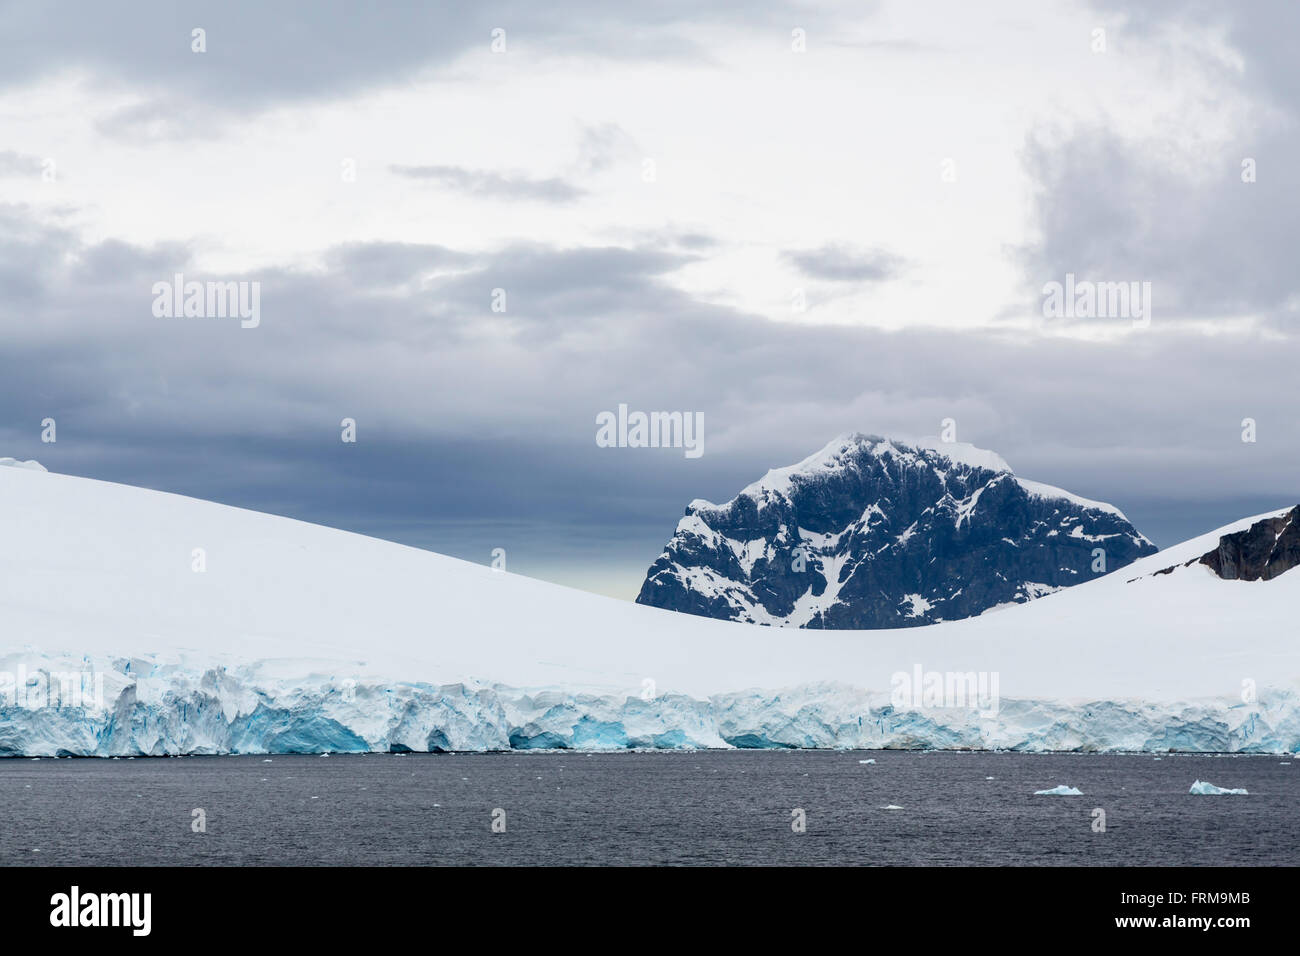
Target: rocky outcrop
(1263,551)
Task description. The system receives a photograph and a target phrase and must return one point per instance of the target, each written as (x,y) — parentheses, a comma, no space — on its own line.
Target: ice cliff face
(869,533)
(154,709)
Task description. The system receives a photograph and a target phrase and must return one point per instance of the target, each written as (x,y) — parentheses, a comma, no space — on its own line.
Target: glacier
(167,708)
(294,638)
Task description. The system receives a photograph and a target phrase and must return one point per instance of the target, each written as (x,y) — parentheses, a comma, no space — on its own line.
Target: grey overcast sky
(799,219)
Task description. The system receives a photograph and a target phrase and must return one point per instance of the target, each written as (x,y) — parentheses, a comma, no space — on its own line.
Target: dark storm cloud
(840,263)
(486,184)
(1112,208)
(476,427)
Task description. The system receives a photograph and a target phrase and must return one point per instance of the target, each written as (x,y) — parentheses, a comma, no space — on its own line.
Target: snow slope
(303,638)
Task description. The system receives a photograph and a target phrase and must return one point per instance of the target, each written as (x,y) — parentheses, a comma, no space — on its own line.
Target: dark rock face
(869,533)
(1261,552)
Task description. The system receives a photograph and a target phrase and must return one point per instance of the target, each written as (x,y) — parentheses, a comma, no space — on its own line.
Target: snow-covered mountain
(871,533)
(298,638)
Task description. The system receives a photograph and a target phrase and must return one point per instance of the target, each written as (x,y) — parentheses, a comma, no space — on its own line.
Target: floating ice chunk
(1208,789)
(860,761)
(891,806)
(1061,791)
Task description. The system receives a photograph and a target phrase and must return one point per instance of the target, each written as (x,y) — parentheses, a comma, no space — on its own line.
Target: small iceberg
(891,806)
(1209,789)
(866,761)
(1061,791)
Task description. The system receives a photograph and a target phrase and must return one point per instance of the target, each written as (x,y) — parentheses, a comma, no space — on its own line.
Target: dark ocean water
(649,808)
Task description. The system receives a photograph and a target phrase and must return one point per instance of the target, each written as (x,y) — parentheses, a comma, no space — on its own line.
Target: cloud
(19,164)
(381,265)
(601,146)
(491,185)
(476,423)
(1121,207)
(259,55)
(162,119)
(31,250)
(1112,211)
(490,416)
(836,262)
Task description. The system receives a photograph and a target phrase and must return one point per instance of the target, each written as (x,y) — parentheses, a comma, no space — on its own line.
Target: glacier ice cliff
(155,708)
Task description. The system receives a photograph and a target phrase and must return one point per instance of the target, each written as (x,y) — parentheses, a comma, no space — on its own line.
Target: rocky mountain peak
(873,532)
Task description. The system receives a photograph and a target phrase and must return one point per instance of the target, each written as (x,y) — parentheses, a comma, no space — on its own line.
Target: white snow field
(300,638)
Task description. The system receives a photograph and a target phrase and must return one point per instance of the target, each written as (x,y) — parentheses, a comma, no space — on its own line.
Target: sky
(475,228)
